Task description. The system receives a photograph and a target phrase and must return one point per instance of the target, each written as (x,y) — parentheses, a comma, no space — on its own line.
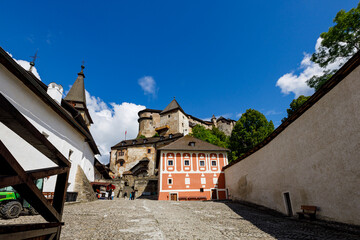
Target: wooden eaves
(12,174)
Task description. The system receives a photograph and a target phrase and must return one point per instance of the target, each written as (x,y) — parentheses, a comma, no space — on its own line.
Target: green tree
(249,130)
(295,105)
(341,41)
(213,136)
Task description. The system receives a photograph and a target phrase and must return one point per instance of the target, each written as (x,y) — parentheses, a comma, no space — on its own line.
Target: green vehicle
(12,204)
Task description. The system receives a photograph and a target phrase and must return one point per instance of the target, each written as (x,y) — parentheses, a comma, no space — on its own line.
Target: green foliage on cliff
(213,136)
(251,129)
(295,105)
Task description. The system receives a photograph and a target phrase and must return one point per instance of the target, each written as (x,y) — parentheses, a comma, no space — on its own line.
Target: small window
(213,163)
(170,181)
(187,163)
(183,124)
(187,181)
(203,181)
(121,153)
(192,144)
(149,150)
(145,140)
(168,116)
(170,135)
(134,141)
(170,162)
(202,163)
(70,153)
(201,190)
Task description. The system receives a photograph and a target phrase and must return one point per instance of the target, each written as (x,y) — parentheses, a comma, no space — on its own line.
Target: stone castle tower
(173,119)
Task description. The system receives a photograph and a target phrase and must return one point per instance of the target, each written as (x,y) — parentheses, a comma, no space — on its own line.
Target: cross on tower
(32,63)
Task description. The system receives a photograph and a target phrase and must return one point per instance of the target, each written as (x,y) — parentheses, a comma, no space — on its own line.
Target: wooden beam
(35,174)
(46,172)
(60,192)
(15,121)
(11,228)
(29,234)
(28,188)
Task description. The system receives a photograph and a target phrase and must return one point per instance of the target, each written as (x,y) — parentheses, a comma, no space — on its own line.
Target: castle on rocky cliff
(173,119)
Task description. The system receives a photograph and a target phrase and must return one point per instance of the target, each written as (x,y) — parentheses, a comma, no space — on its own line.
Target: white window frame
(170,183)
(187,161)
(203,181)
(200,163)
(187,181)
(212,161)
(171,161)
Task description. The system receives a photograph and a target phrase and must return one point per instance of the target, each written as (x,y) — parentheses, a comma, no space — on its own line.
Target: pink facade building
(191,169)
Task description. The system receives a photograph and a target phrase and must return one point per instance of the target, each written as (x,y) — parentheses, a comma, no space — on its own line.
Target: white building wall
(61,134)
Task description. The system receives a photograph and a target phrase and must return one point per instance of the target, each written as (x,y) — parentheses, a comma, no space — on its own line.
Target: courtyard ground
(147,219)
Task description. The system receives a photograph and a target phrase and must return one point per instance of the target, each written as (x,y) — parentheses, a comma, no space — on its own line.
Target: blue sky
(216,57)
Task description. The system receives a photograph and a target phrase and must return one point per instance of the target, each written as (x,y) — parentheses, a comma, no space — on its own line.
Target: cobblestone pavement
(146,219)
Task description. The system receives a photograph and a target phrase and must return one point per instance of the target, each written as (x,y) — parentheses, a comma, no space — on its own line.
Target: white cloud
(272,112)
(239,115)
(296,83)
(26,65)
(148,85)
(111,122)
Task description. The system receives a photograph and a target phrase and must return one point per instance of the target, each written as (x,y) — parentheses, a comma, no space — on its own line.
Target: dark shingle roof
(142,141)
(184,144)
(173,105)
(77,91)
(39,88)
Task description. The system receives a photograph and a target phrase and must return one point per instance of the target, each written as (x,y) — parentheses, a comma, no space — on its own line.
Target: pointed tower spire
(77,98)
(173,105)
(77,91)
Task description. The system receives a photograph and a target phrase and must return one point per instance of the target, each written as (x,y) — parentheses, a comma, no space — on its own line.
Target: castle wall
(131,156)
(226,127)
(315,159)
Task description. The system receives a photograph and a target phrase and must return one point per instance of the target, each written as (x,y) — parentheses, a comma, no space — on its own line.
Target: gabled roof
(142,141)
(39,88)
(199,145)
(77,90)
(173,105)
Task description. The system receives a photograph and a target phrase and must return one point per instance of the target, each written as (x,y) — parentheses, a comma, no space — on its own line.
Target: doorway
(288,204)
(173,196)
(214,194)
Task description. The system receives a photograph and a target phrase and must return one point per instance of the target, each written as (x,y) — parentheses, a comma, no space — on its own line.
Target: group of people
(132,195)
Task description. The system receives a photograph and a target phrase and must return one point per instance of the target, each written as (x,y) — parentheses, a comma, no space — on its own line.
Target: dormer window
(162,137)
(192,144)
(134,141)
(145,140)
(123,143)
(170,135)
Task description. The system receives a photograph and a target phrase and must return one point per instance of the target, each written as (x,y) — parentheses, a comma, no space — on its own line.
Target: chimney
(55,91)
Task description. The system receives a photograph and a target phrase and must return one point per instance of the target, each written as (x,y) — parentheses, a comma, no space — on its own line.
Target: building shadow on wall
(281,226)
(150,191)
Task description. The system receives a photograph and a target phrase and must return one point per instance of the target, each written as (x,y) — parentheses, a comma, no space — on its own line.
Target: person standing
(130,196)
(110,194)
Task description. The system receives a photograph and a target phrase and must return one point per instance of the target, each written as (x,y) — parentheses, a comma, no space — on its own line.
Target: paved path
(146,219)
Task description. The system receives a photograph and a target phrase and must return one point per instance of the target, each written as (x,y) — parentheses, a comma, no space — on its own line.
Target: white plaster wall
(316,159)
(61,134)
